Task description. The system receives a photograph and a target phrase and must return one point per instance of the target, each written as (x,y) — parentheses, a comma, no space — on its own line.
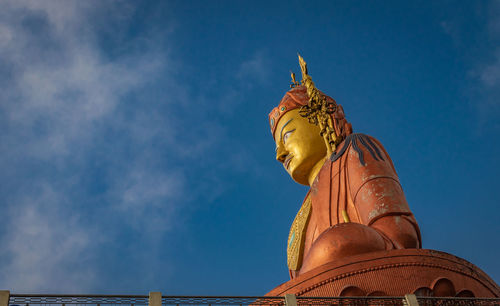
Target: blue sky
(135,149)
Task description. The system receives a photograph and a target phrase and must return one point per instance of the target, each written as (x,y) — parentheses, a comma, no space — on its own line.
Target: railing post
(4,297)
(154,298)
(290,300)
(410,300)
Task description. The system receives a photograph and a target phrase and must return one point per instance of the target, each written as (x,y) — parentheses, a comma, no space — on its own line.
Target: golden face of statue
(299,147)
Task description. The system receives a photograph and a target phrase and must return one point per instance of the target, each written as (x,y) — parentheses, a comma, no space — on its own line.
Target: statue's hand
(342,240)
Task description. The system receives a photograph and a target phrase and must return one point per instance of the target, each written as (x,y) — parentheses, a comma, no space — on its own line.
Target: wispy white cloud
(44,242)
(484,67)
(63,79)
(89,152)
(254,69)
(61,93)
(490,74)
(144,196)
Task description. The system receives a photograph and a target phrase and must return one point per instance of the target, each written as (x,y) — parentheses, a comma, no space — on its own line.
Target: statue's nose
(281,153)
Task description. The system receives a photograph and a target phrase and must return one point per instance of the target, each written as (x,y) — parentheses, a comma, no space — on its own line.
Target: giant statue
(354,233)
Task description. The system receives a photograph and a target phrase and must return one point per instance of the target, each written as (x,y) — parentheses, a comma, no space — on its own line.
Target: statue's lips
(287,161)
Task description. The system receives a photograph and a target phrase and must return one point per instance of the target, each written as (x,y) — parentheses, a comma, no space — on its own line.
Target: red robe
(359,179)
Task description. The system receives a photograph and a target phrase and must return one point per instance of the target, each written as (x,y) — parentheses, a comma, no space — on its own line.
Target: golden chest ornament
(296,238)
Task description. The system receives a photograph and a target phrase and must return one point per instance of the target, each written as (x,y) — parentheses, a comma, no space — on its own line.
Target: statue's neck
(315,170)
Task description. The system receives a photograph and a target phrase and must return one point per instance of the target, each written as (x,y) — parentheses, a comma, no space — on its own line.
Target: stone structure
(354,233)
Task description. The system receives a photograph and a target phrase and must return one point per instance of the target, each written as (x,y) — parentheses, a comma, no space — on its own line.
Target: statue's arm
(401,230)
(379,198)
(381,204)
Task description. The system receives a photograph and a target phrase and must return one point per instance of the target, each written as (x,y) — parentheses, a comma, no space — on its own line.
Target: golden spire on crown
(319,110)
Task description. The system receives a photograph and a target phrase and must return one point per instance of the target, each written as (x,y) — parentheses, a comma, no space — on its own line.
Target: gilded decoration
(297,236)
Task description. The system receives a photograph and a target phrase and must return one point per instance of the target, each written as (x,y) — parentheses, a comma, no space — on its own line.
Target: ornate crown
(319,110)
(317,107)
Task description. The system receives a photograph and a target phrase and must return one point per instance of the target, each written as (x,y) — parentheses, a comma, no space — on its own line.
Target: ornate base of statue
(394,273)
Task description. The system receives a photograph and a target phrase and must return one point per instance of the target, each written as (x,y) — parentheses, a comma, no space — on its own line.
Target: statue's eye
(287,134)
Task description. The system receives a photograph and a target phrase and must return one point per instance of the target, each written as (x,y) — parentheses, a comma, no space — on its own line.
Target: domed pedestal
(394,273)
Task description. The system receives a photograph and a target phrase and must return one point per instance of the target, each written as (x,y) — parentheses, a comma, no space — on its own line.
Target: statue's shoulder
(363,145)
(364,159)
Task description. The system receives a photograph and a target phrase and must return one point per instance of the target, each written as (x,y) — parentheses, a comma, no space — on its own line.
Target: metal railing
(431,301)
(156,299)
(52,299)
